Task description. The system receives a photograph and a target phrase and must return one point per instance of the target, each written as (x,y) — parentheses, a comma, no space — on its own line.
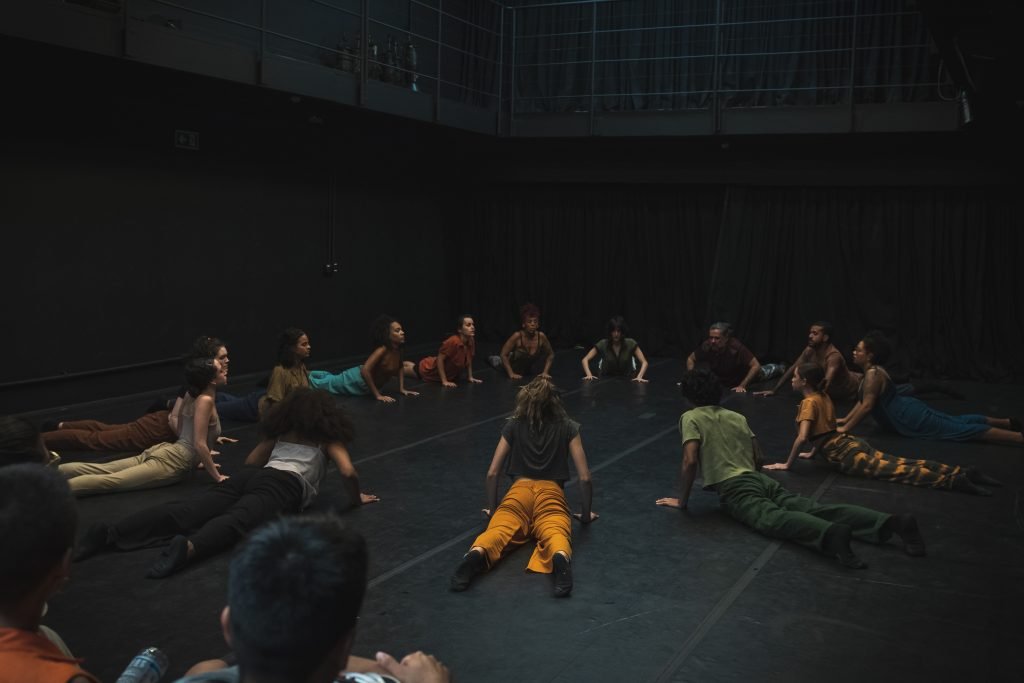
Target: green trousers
(761,503)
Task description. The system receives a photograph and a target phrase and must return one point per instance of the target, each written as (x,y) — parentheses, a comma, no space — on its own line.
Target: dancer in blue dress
(910,416)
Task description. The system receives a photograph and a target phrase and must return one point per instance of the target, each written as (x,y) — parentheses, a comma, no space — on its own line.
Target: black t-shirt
(543,454)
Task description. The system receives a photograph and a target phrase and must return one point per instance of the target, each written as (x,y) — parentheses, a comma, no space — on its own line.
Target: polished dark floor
(660,595)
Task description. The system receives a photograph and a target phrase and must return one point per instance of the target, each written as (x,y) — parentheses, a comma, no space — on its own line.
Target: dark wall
(121,248)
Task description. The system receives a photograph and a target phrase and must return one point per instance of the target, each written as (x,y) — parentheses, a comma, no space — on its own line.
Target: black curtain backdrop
(935,268)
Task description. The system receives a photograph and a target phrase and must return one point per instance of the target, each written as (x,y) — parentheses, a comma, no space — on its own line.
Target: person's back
(294,593)
(38,519)
(725,442)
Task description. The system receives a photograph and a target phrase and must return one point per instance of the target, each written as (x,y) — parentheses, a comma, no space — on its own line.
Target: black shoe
(563,576)
(905,526)
(472,564)
(963,483)
(979,477)
(173,559)
(1015,425)
(836,545)
(95,539)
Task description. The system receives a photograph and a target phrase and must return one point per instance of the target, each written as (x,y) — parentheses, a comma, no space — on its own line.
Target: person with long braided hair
(535,447)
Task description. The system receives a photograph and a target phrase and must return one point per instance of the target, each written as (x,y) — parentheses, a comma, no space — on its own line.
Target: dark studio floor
(659,595)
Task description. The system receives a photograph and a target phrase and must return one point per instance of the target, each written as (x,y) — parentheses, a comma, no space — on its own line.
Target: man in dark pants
(721,443)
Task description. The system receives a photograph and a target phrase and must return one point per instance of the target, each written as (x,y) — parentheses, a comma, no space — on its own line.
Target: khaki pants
(161,465)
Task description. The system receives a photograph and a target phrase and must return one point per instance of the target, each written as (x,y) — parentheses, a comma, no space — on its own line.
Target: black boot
(95,539)
(563,575)
(836,545)
(905,526)
(963,483)
(172,560)
(472,564)
(979,477)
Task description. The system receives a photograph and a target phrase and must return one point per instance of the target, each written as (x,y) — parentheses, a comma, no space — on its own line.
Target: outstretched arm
(755,367)
(643,365)
(337,452)
(506,349)
(200,432)
(493,472)
(469,371)
(550,358)
(367,372)
(445,382)
(691,459)
(591,355)
(785,377)
(260,455)
(832,365)
(801,438)
(579,459)
(872,389)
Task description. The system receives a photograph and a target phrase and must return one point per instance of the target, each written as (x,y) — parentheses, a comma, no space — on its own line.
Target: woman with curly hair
(385,362)
(165,463)
(910,416)
(301,434)
(535,447)
(524,348)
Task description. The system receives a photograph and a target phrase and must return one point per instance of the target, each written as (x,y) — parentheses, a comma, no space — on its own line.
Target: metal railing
(716,55)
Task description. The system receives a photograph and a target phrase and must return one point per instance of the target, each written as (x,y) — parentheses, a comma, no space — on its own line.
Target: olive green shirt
(726,448)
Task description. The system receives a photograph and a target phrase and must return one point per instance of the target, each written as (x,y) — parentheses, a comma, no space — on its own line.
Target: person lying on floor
(721,443)
(816,424)
(294,593)
(165,463)
(538,441)
(155,427)
(910,416)
(301,434)
(454,356)
(382,364)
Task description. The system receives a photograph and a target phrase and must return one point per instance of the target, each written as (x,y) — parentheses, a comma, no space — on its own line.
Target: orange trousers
(531,509)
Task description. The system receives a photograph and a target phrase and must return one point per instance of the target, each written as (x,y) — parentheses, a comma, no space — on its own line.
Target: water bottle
(149,666)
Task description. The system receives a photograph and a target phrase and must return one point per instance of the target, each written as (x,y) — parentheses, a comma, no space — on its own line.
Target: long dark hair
(286,356)
(199,372)
(380,330)
(878,346)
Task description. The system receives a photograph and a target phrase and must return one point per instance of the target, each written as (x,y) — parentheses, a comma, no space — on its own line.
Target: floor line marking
(726,601)
(456,430)
(408,564)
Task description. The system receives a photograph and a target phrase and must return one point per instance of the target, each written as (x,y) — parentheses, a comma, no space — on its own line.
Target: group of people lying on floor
(303,430)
